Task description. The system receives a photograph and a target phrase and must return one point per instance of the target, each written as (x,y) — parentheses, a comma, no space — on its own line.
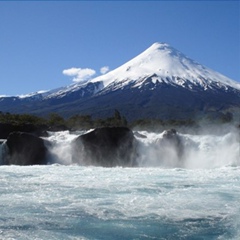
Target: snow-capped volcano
(169,65)
(161,60)
(161,82)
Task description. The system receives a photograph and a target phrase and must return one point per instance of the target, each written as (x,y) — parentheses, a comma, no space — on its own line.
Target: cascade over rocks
(170,145)
(25,149)
(107,147)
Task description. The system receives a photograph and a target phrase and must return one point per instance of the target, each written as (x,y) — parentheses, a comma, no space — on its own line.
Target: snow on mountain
(61,91)
(168,65)
(160,60)
(159,83)
(52,93)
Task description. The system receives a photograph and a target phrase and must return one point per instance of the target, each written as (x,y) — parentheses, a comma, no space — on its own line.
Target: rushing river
(64,201)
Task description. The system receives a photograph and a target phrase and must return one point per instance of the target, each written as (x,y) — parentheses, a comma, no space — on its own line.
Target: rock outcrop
(107,147)
(25,149)
(7,128)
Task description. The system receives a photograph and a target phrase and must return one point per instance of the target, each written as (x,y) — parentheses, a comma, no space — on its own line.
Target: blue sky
(41,39)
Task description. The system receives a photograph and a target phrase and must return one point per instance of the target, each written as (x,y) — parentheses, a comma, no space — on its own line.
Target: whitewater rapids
(66,201)
(200,150)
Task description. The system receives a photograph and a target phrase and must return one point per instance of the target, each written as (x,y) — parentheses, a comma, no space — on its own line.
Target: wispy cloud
(104,69)
(79,74)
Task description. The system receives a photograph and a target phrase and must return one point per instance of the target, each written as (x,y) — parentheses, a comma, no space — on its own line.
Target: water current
(200,200)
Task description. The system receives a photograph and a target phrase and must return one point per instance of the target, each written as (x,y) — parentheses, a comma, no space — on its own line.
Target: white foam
(41,201)
(199,151)
(60,147)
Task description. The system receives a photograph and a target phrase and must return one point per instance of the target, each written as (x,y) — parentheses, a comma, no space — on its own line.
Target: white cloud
(104,69)
(71,71)
(79,74)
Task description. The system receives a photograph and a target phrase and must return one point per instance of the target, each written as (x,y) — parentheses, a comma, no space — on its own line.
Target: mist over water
(60,147)
(215,151)
(191,194)
(208,150)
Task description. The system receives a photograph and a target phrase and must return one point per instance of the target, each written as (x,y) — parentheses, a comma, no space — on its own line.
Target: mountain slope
(161,82)
(167,64)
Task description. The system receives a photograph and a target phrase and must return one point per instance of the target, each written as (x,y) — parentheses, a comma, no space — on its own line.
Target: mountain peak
(159,83)
(159,45)
(165,62)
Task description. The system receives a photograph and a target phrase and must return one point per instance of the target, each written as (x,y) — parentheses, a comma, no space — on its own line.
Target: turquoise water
(75,202)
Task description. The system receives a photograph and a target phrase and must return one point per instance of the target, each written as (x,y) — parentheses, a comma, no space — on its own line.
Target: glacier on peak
(167,63)
(160,60)
(159,83)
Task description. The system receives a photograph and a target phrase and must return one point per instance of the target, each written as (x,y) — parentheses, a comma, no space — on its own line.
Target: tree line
(83,122)
(75,122)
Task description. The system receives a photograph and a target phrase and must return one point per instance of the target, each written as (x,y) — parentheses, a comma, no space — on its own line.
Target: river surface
(200,200)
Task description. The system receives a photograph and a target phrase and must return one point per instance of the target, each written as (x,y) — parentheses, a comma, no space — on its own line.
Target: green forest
(84,122)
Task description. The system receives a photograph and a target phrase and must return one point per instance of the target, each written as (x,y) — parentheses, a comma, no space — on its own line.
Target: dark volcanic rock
(7,128)
(25,149)
(107,147)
